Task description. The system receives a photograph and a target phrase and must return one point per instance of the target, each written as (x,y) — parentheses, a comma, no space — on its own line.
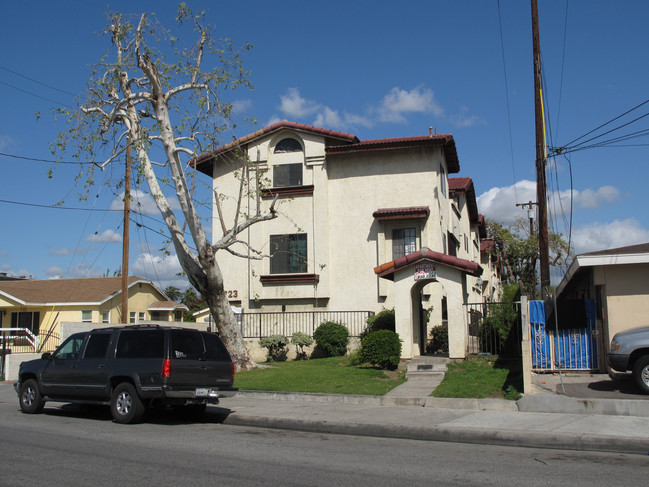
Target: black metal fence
(494,328)
(14,340)
(260,325)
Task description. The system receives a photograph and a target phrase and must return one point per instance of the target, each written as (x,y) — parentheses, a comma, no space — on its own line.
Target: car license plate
(201,392)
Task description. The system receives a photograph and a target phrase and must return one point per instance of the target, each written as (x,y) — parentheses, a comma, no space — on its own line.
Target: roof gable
(388,269)
(202,162)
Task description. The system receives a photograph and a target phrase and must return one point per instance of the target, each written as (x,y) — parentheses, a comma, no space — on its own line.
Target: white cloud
(293,105)
(106,236)
(592,199)
(5,141)
(393,108)
(602,236)
(241,106)
(464,120)
(142,202)
(399,102)
(62,252)
(500,203)
(161,269)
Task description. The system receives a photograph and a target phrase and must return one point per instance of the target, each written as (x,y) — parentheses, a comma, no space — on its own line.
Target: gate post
(526,348)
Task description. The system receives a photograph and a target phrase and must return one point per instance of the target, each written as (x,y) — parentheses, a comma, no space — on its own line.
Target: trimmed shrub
(276,345)
(438,340)
(332,338)
(301,340)
(383,320)
(381,348)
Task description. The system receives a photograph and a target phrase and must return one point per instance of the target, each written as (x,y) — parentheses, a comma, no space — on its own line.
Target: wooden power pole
(544,259)
(125,240)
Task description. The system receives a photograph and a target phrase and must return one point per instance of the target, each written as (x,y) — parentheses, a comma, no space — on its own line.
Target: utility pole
(125,240)
(530,214)
(544,259)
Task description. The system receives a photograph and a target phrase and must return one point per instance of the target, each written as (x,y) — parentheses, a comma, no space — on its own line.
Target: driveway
(589,386)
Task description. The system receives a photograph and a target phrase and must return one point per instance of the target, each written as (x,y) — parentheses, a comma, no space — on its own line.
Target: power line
(37,81)
(35,95)
(52,161)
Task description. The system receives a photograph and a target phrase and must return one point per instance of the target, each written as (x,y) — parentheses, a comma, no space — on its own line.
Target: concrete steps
(427,366)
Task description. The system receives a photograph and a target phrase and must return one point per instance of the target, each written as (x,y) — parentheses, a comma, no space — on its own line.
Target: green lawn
(481,377)
(332,375)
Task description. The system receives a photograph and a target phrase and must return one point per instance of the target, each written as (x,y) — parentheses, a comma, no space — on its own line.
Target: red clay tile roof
(202,162)
(444,140)
(68,291)
(388,269)
(401,213)
(465,185)
(487,245)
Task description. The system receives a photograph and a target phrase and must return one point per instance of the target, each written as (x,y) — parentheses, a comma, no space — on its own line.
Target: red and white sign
(425,270)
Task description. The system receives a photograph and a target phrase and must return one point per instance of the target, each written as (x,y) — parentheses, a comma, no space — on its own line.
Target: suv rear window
(140,344)
(215,350)
(186,344)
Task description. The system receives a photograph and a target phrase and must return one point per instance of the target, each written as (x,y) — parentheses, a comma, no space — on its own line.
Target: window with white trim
(86,316)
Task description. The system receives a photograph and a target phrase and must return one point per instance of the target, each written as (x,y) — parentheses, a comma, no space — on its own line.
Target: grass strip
(333,375)
(481,377)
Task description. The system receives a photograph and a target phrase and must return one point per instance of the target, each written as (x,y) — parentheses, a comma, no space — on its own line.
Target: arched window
(288,145)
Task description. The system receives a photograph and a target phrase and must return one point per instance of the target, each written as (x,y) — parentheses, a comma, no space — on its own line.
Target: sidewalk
(544,419)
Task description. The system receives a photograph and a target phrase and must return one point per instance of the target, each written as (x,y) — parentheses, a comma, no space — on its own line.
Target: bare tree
(173,112)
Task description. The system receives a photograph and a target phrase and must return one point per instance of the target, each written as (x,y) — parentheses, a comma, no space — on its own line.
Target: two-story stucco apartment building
(363,225)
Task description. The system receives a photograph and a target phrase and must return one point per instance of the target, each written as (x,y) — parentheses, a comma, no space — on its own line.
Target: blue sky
(372,68)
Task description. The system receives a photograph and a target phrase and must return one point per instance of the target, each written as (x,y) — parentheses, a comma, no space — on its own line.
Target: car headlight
(615,345)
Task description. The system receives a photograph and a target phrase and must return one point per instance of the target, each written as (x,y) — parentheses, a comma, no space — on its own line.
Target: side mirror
(46,356)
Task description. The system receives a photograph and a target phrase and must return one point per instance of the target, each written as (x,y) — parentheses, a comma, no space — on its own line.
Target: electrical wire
(38,82)
(509,120)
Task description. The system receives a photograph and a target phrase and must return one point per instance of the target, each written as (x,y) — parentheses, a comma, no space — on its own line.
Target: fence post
(526,348)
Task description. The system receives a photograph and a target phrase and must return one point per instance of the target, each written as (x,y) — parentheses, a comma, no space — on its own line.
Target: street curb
(333,398)
(530,439)
(556,403)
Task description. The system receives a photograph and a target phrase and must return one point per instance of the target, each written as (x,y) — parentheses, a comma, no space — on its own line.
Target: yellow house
(40,306)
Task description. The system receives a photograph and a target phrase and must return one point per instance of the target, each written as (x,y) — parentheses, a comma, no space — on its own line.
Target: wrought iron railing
(260,325)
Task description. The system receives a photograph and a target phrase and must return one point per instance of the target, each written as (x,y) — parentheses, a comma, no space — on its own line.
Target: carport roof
(388,269)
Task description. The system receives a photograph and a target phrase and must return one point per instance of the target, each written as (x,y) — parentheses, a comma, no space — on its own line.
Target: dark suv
(130,368)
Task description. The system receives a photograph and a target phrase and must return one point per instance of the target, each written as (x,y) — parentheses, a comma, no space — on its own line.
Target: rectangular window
(288,253)
(86,316)
(131,317)
(442,174)
(404,242)
(141,317)
(26,319)
(105,316)
(287,175)
(140,344)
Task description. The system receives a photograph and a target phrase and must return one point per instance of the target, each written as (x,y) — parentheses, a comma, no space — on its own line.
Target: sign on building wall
(425,270)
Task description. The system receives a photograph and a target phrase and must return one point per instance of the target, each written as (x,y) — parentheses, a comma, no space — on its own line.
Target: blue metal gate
(569,349)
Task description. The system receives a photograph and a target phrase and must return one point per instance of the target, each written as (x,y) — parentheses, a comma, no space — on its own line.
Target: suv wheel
(125,405)
(31,401)
(641,373)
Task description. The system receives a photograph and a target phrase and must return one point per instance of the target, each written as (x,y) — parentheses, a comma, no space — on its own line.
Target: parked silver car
(630,352)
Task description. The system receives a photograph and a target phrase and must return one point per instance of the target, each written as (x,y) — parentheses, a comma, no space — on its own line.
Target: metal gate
(566,349)
(494,328)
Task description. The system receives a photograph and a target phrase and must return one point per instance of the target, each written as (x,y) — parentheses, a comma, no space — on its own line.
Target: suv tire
(641,373)
(125,405)
(31,400)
